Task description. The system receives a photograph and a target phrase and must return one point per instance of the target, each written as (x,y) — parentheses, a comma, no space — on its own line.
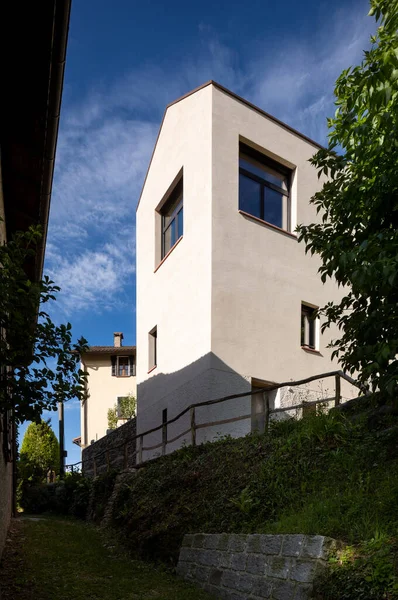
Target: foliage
(102,488)
(70,496)
(323,474)
(125,409)
(357,236)
(363,572)
(62,559)
(39,452)
(28,382)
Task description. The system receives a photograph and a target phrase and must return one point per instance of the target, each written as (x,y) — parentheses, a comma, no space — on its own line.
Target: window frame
(177,193)
(130,365)
(118,366)
(266,161)
(152,348)
(310,340)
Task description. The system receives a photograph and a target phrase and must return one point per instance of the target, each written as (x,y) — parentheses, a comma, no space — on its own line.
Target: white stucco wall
(177,297)
(227,300)
(260,276)
(103,389)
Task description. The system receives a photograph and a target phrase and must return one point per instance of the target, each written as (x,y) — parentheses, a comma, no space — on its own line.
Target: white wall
(103,389)
(227,300)
(177,297)
(260,276)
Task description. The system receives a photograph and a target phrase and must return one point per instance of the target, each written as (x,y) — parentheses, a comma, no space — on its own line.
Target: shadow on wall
(164,395)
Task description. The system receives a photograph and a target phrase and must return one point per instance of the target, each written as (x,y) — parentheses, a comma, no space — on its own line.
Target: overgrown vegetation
(39,361)
(124,409)
(356,237)
(38,461)
(367,571)
(327,474)
(321,475)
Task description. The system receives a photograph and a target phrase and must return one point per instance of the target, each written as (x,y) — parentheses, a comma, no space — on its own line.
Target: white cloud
(72,405)
(106,140)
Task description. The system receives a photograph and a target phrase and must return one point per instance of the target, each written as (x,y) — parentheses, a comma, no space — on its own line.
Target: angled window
(309,324)
(264,188)
(152,348)
(172,213)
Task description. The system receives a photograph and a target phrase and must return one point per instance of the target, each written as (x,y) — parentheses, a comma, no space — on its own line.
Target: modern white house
(111,376)
(225,293)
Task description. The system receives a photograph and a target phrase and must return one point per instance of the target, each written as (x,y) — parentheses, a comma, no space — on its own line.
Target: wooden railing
(263,424)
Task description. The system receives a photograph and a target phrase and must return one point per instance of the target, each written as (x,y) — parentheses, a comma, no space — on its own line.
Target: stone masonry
(115,451)
(254,567)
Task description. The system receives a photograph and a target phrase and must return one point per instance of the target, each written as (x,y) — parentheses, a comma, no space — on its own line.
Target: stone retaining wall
(253,567)
(122,457)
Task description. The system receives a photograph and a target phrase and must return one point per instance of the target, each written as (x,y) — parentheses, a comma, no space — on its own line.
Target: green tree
(357,236)
(38,359)
(39,452)
(124,409)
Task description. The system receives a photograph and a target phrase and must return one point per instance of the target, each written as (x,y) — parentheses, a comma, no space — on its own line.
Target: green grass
(65,559)
(322,475)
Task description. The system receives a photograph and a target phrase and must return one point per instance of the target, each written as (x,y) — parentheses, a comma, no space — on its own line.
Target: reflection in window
(172,218)
(264,188)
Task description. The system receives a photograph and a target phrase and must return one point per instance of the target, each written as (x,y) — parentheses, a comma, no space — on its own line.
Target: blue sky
(126,60)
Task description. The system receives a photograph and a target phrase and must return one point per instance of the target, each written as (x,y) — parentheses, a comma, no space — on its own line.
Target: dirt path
(65,559)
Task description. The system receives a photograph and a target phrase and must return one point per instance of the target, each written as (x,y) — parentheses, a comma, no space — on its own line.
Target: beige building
(111,376)
(225,294)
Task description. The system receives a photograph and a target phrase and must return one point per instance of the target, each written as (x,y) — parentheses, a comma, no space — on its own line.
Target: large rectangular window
(264,188)
(172,213)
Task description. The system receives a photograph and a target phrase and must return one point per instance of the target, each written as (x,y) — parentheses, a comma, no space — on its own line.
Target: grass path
(64,559)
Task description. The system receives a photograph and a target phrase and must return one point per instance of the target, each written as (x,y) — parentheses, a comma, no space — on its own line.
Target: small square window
(309,327)
(264,188)
(172,213)
(152,348)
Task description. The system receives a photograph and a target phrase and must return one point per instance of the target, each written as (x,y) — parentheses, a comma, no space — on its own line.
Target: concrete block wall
(113,453)
(256,566)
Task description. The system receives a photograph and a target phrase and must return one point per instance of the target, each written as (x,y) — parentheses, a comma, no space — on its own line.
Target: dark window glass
(263,188)
(123,366)
(250,196)
(308,325)
(172,219)
(273,207)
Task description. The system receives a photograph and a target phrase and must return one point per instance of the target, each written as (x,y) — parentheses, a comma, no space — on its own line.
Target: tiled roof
(111,349)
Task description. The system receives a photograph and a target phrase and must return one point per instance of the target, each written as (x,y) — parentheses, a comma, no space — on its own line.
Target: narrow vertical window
(309,324)
(152,343)
(172,213)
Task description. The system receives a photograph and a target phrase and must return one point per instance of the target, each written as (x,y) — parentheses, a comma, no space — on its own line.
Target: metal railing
(263,417)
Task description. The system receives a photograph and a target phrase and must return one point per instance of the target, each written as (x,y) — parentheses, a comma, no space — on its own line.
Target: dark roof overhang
(32,79)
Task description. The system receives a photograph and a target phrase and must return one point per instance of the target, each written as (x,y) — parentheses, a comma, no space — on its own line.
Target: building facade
(28,139)
(111,376)
(225,294)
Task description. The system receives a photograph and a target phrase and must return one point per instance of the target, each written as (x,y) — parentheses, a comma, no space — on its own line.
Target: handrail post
(193,426)
(266,411)
(164,431)
(337,390)
(140,444)
(125,459)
